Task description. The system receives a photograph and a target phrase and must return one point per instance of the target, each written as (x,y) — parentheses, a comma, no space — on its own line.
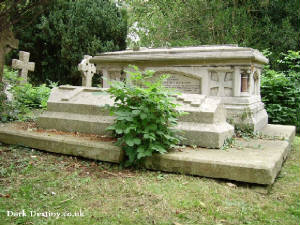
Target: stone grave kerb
(23,65)
(87,71)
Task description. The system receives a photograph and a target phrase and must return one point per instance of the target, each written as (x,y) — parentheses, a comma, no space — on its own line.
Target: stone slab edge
(280,131)
(216,169)
(104,151)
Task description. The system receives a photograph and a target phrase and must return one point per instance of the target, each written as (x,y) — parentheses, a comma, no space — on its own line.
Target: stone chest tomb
(229,73)
(82,109)
(219,83)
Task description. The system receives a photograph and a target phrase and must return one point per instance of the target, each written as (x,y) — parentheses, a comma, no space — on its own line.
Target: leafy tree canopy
(11,14)
(62,35)
(261,24)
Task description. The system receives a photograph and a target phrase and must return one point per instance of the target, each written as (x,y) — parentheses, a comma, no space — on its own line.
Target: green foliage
(31,97)
(2,99)
(25,98)
(10,10)
(62,35)
(280,91)
(257,24)
(145,116)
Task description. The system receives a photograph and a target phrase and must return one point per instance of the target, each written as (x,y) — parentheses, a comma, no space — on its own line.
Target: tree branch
(16,11)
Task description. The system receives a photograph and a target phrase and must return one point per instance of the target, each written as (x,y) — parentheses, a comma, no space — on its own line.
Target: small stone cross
(23,65)
(87,71)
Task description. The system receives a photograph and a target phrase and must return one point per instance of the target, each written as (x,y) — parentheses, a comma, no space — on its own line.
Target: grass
(103,193)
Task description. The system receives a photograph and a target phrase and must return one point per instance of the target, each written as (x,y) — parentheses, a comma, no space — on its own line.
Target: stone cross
(23,65)
(87,71)
(221,83)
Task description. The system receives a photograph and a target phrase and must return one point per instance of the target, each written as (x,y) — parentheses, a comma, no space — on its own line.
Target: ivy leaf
(119,131)
(137,141)
(129,142)
(111,127)
(128,129)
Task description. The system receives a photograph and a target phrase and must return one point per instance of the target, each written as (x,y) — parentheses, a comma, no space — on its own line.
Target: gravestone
(23,65)
(226,72)
(82,109)
(87,71)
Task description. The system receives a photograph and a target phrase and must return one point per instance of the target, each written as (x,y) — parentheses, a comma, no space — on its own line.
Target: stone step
(204,134)
(207,115)
(96,112)
(71,122)
(195,100)
(65,144)
(81,108)
(254,161)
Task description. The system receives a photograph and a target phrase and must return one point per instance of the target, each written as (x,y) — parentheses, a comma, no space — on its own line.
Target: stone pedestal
(229,73)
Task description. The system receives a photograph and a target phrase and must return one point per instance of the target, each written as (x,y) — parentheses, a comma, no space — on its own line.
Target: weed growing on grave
(145,116)
(25,98)
(228,143)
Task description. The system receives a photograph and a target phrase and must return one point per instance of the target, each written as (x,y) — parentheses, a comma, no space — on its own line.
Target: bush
(68,30)
(145,115)
(280,91)
(31,97)
(25,98)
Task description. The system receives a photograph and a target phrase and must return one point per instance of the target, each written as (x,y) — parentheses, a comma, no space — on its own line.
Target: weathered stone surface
(87,71)
(257,161)
(83,109)
(23,65)
(227,72)
(7,92)
(205,54)
(183,84)
(254,161)
(280,131)
(65,144)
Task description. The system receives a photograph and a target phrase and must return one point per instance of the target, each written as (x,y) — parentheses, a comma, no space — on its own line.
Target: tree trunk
(7,42)
(2,59)
(2,93)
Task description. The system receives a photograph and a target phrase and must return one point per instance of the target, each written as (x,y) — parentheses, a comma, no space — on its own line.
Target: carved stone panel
(256,83)
(182,82)
(221,83)
(116,75)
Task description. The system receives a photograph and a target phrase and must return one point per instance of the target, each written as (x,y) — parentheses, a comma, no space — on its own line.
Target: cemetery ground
(37,181)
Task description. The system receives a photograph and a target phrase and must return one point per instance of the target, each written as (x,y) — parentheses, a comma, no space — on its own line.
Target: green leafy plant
(25,94)
(25,98)
(31,97)
(145,115)
(280,91)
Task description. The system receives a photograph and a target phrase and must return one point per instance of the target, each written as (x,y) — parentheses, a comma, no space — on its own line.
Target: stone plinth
(229,73)
(253,160)
(83,110)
